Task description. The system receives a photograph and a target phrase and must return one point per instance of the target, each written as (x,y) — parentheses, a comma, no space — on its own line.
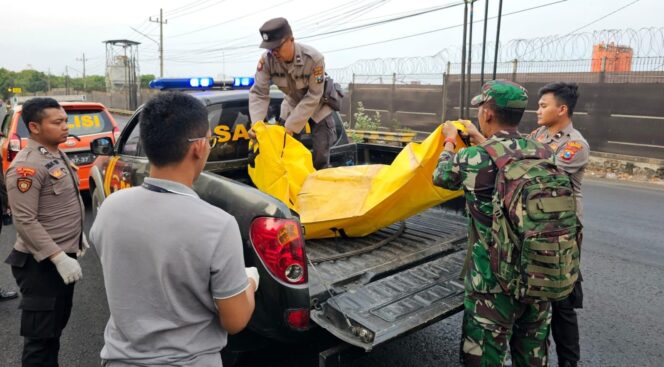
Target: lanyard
(162,190)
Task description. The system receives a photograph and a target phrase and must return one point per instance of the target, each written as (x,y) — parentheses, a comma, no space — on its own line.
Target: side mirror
(102,146)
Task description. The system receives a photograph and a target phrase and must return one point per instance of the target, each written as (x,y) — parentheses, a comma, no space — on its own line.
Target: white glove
(68,268)
(253,274)
(84,247)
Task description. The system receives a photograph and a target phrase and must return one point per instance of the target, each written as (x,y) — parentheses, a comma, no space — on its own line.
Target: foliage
(33,81)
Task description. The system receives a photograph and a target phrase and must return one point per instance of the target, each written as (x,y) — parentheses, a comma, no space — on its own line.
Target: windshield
(81,122)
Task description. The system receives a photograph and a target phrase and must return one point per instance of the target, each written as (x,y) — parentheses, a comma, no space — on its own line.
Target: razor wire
(645,43)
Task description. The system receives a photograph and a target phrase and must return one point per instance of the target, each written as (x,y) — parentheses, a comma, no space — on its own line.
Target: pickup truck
(363,291)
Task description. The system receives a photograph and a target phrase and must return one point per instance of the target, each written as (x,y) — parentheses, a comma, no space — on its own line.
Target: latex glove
(252,273)
(68,268)
(84,247)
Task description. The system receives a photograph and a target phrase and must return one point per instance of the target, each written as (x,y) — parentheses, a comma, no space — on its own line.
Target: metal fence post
(350,102)
(602,70)
(514,67)
(446,79)
(392,96)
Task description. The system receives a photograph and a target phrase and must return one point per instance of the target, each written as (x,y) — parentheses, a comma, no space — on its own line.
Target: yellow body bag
(355,200)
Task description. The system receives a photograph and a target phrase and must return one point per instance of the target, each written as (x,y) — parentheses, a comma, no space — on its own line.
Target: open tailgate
(370,314)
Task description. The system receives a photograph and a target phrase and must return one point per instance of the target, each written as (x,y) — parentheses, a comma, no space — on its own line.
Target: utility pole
(66,80)
(161,22)
(85,85)
(48,80)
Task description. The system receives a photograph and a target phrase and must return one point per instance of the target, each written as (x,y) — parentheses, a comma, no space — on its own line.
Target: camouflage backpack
(534,252)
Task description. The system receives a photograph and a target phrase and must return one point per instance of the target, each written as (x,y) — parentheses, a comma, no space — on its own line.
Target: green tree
(146,79)
(6,81)
(32,81)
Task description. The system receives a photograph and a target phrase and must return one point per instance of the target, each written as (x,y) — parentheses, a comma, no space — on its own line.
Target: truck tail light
(280,245)
(14,147)
(116,134)
(298,319)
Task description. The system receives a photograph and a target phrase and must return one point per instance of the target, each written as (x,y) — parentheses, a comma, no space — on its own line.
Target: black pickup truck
(364,291)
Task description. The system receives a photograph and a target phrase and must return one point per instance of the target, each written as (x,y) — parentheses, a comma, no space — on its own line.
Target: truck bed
(409,281)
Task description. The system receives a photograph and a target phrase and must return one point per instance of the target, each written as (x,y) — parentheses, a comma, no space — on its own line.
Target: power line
(585,25)
(196,10)
(381,22)
(186,7)
(345,30)
(439,29)
(229,21)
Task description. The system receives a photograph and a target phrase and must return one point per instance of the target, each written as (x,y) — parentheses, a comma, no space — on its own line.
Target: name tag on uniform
(57,172)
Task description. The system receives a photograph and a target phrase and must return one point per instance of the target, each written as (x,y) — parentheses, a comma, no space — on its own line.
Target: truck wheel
(95,202)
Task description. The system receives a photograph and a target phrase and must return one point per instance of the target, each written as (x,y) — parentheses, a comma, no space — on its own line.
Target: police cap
(274,32)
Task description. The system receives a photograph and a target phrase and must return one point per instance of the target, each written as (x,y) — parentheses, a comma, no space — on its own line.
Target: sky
(220,37)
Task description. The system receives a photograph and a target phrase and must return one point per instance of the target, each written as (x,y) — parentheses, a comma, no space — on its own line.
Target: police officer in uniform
(48,211)
(299,72)
(5,295)
(554,115)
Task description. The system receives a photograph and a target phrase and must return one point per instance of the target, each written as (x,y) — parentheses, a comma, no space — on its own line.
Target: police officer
(299,72)
(5,295)
(48,214)
(554,115)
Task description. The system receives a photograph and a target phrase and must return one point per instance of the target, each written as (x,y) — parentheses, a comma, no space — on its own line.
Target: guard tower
(122,72)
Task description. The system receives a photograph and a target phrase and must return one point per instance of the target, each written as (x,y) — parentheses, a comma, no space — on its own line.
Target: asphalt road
(621,325)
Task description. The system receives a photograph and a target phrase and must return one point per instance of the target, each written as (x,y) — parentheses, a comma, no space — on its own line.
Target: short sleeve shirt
(165,256)
(572,153)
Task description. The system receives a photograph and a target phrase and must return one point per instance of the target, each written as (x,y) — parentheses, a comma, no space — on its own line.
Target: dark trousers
(565,327)
(45,307)
(323,135)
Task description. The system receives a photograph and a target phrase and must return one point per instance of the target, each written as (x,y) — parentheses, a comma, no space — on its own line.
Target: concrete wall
(619,118)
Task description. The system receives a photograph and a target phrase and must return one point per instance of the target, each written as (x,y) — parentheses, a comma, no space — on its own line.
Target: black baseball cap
(274,32)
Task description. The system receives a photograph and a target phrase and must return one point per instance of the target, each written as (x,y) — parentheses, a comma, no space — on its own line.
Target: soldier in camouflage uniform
(556,106)
(493,319)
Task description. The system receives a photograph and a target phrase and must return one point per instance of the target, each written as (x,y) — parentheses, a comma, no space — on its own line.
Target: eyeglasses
(212,140)
(278,48)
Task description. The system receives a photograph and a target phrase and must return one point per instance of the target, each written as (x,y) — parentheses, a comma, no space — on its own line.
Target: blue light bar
(243,82)
(182,83)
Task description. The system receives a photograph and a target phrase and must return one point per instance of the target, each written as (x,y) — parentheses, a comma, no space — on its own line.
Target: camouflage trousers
(492,321)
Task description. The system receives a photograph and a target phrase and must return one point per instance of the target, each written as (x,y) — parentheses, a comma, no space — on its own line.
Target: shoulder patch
(259,67)
(569,150)
(25,171)
(23,184)
(319,73)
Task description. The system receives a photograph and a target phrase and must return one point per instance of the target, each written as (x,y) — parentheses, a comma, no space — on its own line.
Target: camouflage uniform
(492,318)
(571,155)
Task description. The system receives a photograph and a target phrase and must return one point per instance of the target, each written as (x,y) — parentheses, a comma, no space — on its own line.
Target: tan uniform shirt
(45,202)
(572,154)
(302,83)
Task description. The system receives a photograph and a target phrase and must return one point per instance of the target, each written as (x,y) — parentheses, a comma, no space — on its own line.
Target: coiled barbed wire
(645,42)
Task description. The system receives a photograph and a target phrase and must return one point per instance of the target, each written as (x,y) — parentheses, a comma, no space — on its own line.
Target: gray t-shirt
(165,256)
